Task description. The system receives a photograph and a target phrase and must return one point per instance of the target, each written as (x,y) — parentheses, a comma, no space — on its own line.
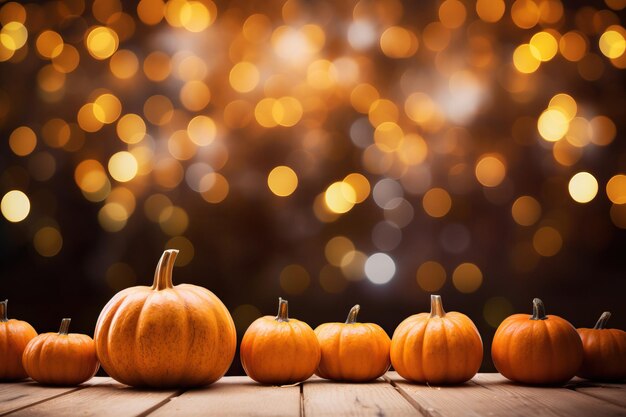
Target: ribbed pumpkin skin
(165,336)
(437,350)
(604,352)
(56,359)
(356,352)
(178,337)
(279,352)
(537,352)
(14,336)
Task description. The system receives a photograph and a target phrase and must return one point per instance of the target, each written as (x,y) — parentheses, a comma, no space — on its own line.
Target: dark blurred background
(331,153)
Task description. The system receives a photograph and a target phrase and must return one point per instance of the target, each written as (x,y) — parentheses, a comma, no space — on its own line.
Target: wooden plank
(378,398)
(106,398)
(14,396)
(609,392)
(492,394)
(234,396)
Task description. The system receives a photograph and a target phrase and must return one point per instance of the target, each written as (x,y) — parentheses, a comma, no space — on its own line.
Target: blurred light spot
(380,268)
(131,128)
(526,211)
(525,13)
(437,202)
(452,13)
(612,44)
(436,36)
(353,265)
(490,10)
(195,16)
(107,108)
(185,247)
(362,97)
(543,46)
(603,130)
(123,166)
(361,34)
(157,66)
(294,279)
(398,42)
(150,12)
(388,136)
(525,58)
(552,124)
(244,77)
(331,280)
(154,206)
(385,191)
(467,278)
(195,95)
(573,46)
(618,215)
(431,276)
(67,61)
(124,197)
(282,181)
(616,189)
(565,104)
(218,191)
(413,150)
(158,109)
(101,42)
(337,248)
(386,236)
(340,197)
(173,220)
(168,173)
(124,64)
(48,241)
(15,206)
(399,212)
(547,241)
(87,119)
(112,217)
(490,170)
(22,141)
(496,309)
(49,43)
(181,146)
(583,187)
(360,184)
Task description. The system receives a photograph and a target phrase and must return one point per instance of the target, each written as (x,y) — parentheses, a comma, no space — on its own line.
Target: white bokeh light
(380,268)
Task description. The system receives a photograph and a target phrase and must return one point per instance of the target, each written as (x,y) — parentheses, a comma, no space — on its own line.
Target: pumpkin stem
(539,310)
(604,318)
(436,306)
(65,326)
(354,311)
(163,273)
(283,310)
(3,311)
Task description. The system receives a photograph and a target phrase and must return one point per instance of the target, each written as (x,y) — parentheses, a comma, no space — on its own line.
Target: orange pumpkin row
(181,336)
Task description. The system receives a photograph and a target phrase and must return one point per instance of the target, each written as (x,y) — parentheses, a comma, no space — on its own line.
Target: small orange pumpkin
(539,349)
(279,350)
(437,348)
(14,336)
(165,335)
(61,358)
(604,352)
(352,351)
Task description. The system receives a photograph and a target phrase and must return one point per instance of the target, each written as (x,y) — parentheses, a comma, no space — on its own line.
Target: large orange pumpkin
(14,336)
(604,352)
(539,349)
(437,347)
(165,335)
(61,358)
(352,351)
(279,350)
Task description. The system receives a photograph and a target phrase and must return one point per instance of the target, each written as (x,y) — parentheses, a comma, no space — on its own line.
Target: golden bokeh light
(573,46)
(131,128)
(49,44)
(547,241)
(525,58)
(23,141)
(616,189)
(452,13)
(526,210)
(525,13)
(553,124)
(612,44)
(107,108)
(490,11)
(101,42)
(565,104)
(360,185)
(217,190)
(294,279)
(244,77)
(48,241)
(282,181)
(437,202)
(583,187)
(124,64)
(340,197)
(490,170)
(337,248)
(544,46)
(123,166)
(15,206)
(430,276)
(398,42)
(467,278)
(202,130)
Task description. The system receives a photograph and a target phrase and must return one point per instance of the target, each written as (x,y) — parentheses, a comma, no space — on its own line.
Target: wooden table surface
(484,395)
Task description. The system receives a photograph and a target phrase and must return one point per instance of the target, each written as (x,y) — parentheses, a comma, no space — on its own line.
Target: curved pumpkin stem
(283,310)
(354,311)
(163,273)
(65,326)
(436,306)
(3,311)
(604,318)
(539,310)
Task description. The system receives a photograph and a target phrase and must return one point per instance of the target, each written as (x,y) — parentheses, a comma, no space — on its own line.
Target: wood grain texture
(14,396)
(378,398)
(609,392)
(105,398)
(234,396)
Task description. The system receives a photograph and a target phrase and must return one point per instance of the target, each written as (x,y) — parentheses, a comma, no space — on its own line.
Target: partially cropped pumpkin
(604,352)
(279,350)
(437,347)
(14,336)
(61,358)
(165,335)
(538,349)
(352,351)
